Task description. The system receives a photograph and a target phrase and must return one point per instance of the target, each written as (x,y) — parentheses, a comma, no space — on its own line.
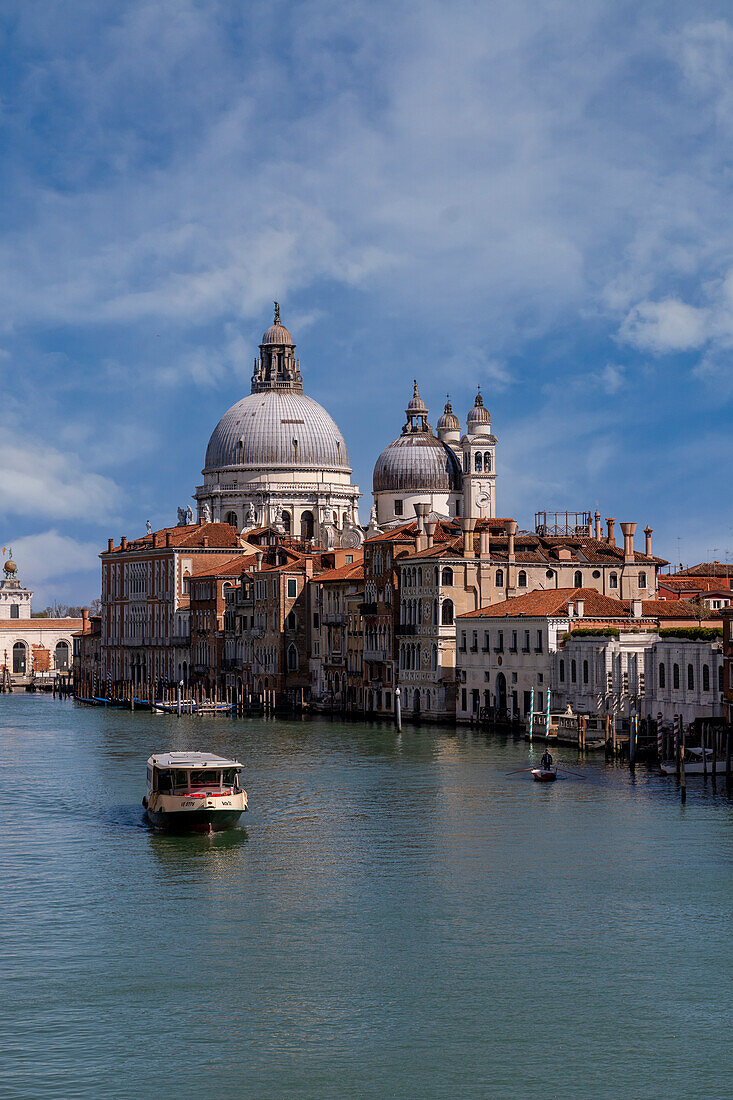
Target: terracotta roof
(671,609)
(224,567)
(707,569)
(220,536)
(352,572)
(554,602)
(40,623)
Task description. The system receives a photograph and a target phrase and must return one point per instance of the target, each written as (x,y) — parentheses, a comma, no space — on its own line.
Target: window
(662,675)
(585,672)
(474,642)
(486,641)
(286,522)
(291,621)
(487,462)
(525,647)
(538,647)
(577,579)
(500,641)
(477,463)
(573,671)
(316,620)
(706,678)
(562,671)
(463,698)
(642,580)
(675,676)
(349,559)
(447,577)
(14,611)
(720,678)
(690,678)
(446,613)
(19,658)
(499,578)
(62,656)
(463,641)
(514,641)
(613,580)
(307,524)
(292,658)
(521,579)
(231,519)
(292,588)
(399,507)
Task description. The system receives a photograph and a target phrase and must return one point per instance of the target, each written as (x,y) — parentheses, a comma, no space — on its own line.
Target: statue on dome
(250,519)
(206,512)
(148,528)
(277,313)
(277,523)
(189,515)
(182,520)
(373,528)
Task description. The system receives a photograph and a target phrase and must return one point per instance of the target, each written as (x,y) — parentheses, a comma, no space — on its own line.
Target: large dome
(417,462)
(281,428)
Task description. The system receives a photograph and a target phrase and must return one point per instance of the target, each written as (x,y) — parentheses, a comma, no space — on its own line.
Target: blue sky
(530,196)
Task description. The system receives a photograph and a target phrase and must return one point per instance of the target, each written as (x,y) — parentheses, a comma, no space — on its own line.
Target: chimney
(123,543)
(259,554)
(636,609)
(205,542)
(579,608)
(468,524)
(597,518)
(201,521)
(110,545)
(430,525)
(485,544)
(167,538)
(571,609)
(512,530)
(85,620)
(648,542)
(628,530)
(421,511)
(308,565)
(611,523)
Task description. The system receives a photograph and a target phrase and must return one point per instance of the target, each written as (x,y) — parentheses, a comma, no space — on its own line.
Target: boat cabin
(192,773)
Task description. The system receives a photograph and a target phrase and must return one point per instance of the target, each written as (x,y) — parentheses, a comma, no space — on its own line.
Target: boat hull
(542,775)
(194,821)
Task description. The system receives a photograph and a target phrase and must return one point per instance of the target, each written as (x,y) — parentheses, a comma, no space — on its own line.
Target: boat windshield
(205,778)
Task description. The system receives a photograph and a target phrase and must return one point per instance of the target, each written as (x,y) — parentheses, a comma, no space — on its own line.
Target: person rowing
(546,760)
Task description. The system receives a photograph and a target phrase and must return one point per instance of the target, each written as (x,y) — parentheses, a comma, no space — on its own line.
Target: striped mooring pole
(660,736)
(531,712)
(547,717)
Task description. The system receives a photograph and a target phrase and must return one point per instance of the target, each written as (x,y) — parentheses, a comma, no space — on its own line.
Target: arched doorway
(231,519)
(501,693)
(62,656)
(416,702)
(20,651)
(307,525)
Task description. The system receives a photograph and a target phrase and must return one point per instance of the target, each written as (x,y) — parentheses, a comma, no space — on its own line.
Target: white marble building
(30,645)
(277,458)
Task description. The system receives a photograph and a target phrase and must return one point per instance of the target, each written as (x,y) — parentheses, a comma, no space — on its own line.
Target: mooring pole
(397,709)
(703,738)
(632,740)
(531,713)
(683,787)
(727,757)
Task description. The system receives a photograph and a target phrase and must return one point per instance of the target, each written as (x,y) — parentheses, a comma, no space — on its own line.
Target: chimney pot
(579,608)
(597,518)
(468,524)
(648,541)
(430,525)
(167,538)
(511,530)
(628,532)
(123,543)
(636,609)
(205,542)
(611,525)
(110,545)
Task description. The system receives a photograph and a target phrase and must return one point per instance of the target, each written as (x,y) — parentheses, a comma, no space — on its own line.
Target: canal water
(396,917)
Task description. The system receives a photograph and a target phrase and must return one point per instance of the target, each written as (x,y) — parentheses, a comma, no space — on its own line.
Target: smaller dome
(448,421)
(277,334)
(478,414)
(416,403)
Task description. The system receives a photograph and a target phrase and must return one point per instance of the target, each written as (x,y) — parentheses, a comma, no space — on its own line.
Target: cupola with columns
(478,448)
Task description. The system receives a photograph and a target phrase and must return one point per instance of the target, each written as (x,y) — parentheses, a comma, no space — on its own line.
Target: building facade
(31,646)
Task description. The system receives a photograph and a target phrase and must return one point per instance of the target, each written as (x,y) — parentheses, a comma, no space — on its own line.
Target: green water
(397,917)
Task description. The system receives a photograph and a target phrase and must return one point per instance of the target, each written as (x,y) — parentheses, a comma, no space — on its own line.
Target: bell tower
(478,446)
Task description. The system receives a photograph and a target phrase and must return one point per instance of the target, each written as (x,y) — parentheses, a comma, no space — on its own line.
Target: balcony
(407,629)
(335,618)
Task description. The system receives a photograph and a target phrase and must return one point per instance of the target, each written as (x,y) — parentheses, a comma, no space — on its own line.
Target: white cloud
(41,481)
(612,378)
(665,326)
(51,555)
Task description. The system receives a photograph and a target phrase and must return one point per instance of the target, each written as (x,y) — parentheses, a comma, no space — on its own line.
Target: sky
(532,196)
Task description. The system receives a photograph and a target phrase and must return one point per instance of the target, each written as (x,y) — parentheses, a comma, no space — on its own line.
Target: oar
(517,770)
(568,772)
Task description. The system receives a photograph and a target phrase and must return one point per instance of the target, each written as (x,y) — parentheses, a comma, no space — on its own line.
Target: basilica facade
(277,458)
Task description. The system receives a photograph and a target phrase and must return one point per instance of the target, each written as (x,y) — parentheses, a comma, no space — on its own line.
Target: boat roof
(192,760)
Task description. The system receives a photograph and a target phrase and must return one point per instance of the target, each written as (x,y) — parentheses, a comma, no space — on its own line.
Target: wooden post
(683,787)
(633,726)
(727,757)
(704,739)
(713,761)
(608,733)
(677,744)
(397,709)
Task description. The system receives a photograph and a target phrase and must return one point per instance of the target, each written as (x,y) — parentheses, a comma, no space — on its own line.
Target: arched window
(706,678)
(613,580)
(487,462)
(573,671)
(292,658)
(231,519)
(286,522)
(720,678)
(499,578)
(521,579)
(577,579)
(19,658)
(675,676)
(291,621)
(435,612)
(62,656)
(447,577)
(419,577)
(446,614)
(562,671)
(585,672)
(307,524)
(690,678)
(642,580)
(477,462)
(662,675)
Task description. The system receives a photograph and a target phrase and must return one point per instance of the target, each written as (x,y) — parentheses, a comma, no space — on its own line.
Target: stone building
(145,598)
(31,646)
(276,458)
(336,660)
(453,475)
(207,588)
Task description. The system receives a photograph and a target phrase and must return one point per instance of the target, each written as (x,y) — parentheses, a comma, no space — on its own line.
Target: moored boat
(193,792)
(544,775)
(694,764)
